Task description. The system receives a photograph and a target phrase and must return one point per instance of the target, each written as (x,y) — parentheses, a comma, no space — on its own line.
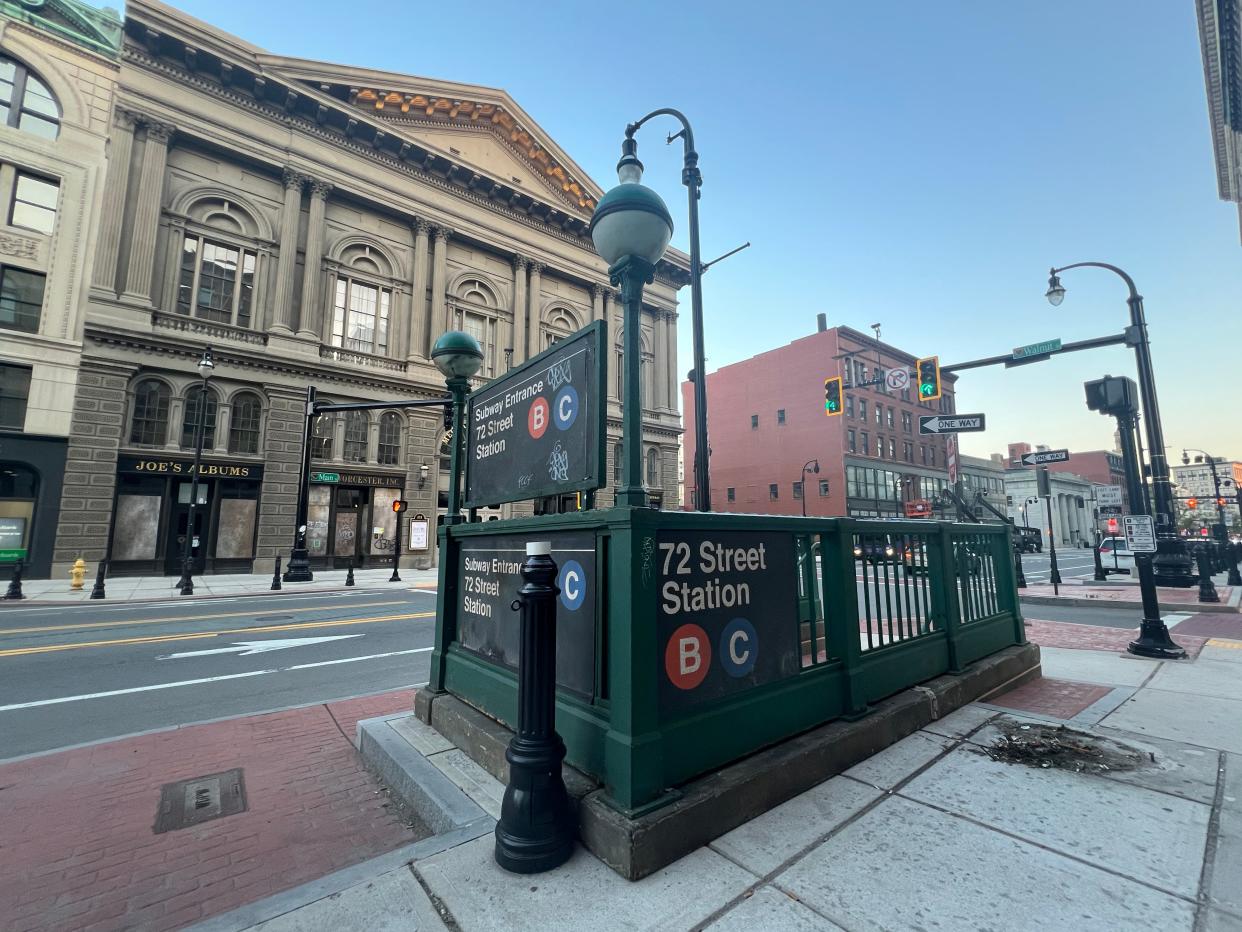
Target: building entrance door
(348,526)
(178,524)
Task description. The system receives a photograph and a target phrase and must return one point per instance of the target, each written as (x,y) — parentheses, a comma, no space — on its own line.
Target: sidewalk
(1124,591)
(160,588)
(987,818)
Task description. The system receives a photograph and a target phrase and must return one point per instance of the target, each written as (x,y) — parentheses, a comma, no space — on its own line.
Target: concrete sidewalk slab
(897,761)
(1227,650)
(772,910)
(905,865)
(1225,878)
(765,843)
(1095,666)
(392,902)
(581,896)
(1207,721)
(1161,843)
(1205,678)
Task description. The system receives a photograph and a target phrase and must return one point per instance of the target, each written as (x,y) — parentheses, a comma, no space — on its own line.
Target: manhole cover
(200,799)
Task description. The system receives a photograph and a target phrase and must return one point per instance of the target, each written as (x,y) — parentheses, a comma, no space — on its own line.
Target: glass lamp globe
(631,219)
(207,363)
(457,355)
(1056,291)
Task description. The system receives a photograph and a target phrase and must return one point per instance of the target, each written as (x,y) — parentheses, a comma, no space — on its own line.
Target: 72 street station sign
(950,423)
(1045,456)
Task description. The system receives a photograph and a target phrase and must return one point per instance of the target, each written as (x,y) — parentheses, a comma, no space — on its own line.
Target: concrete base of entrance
(709,806)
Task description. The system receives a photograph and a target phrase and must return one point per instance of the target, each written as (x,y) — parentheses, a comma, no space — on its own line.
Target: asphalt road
(1074,563)
(76,674)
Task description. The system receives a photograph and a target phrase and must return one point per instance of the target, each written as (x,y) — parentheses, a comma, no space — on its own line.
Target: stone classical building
(316,225)
(58,70)
(1072,515)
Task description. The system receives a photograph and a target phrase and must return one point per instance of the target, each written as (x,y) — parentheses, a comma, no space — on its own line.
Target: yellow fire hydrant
(77,574)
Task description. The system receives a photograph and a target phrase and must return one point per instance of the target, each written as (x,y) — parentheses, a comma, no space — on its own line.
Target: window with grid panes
(389,450)
(216,281)
(14,392)
(189,422)
(823,487)
(26,103)
(244,420)
(149,426)
(34,203)
(356,426)
(360,313)
(21,299)
(321,437)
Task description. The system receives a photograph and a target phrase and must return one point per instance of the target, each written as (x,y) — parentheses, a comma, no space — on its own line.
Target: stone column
(534,320)
(612,315)
(147,214)
(518,342)
(671,361)
(286,260)
(224,416)
(439,272)
(660,338)
(420,322)
(120,151)
(597,302)
(310,321)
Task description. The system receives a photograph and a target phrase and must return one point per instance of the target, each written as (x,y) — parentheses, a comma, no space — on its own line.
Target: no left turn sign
(897,379)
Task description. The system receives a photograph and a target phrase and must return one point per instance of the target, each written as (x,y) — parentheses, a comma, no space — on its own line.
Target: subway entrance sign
(538,430)
(728,613)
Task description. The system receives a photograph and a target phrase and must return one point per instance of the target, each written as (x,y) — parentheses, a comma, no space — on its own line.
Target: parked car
(1029,539)
(1115,556)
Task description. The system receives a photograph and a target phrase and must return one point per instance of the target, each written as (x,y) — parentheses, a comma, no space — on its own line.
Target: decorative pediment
(97,30)
(516,148)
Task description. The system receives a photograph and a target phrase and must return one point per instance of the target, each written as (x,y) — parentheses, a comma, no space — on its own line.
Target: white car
(1116,556)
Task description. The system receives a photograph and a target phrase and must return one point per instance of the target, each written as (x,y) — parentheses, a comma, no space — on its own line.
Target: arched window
(26,102)
(618,455)
(557,325)
(189,424)
(150,422)
(216,281)
(356,425)
(653,468)
(321,437)
(244,424)
(389,452)
(362,302)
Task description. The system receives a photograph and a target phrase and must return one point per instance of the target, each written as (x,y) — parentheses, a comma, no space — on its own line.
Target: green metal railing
(877,606)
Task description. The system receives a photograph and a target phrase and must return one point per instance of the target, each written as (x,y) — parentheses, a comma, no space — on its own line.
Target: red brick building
(766,420)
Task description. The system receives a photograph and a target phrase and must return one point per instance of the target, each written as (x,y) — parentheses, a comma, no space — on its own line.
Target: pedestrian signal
(832,395)
(1221,502)
(398,506)
(928,371)
(1192,503)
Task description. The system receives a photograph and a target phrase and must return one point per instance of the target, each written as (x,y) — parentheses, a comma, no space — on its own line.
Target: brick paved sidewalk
(1097,637)
(78,850)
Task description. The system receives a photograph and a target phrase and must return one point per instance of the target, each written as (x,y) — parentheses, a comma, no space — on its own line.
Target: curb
(36,601)
(1232,606)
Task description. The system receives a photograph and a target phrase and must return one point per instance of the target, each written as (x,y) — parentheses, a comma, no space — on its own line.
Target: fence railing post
(945,579)
(1007,585)
(841,612)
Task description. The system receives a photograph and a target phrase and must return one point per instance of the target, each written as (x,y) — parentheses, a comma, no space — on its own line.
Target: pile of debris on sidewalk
(1047,746)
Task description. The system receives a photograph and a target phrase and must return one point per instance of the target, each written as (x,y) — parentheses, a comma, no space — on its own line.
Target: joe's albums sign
(162,466)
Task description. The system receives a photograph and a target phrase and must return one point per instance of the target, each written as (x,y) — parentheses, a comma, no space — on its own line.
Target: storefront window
(318,513)
(321,437)
(239,506)
(356,425)
(244,424)
(389,452)
(150,423)
(190,423)
(18,485)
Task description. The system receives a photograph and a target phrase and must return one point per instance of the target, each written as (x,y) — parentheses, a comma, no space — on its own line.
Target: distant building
(59,64)
(766,421)
(988,477)
(1195,481)
(1070,517)
(1103,467)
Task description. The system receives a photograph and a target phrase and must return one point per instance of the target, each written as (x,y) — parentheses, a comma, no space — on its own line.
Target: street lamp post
(1172,563)
(299,569)
(631,228)
(811,466)
(458,356)
(692,178)
(206,364)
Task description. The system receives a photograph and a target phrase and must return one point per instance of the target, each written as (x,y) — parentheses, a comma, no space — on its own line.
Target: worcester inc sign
(728,613)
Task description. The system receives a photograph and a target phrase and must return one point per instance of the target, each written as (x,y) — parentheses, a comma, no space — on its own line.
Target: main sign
(1036,349)
(1045,456)
(488,576)
(728,613)
(1140,533)
(950,423)
(538,430)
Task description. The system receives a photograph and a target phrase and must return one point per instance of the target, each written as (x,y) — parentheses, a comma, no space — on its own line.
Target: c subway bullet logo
(565,410)
(572,583)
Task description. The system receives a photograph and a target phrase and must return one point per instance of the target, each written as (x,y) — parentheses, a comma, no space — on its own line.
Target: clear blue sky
(912,163)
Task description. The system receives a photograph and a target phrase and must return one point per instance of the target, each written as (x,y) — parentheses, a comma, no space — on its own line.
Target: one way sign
(1046,456)
(950,424)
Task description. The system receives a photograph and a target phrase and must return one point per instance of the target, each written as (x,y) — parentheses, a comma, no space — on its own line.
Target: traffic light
(832,395)
(398,506)
(1221,502)
(1192,503)
(928,371)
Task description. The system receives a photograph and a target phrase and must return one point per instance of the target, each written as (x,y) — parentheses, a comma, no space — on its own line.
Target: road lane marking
(247,648)
(50,648)
(1173,619)
(196,682)
(157,621)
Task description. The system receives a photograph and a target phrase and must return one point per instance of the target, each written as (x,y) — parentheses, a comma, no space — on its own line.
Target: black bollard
(187,577)
(1018,575)
(98,591)
(1232,555)
(536,828)
(1207,589)
(15,583)
(276,577)
(1100,575)
(349,576)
